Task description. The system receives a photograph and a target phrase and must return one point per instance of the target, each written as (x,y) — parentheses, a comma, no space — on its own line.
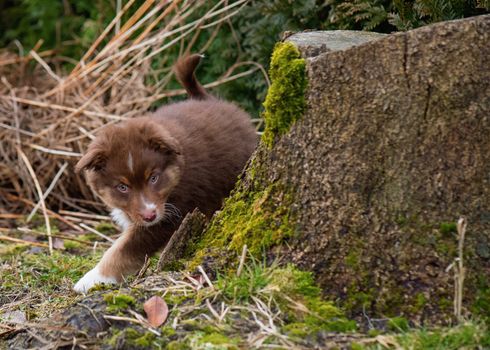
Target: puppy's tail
(184,72)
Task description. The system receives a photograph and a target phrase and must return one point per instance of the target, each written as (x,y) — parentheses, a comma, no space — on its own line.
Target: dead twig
(48,190)
(242,260)
(18,240)
(206,277)
(460,270)
(100,234)
(59,235)
(85,215)
(40,196)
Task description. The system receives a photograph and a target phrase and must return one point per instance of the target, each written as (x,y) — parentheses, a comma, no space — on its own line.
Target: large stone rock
(393,147)
(313,43)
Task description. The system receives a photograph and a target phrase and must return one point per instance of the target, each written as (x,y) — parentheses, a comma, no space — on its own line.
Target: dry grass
(47,119)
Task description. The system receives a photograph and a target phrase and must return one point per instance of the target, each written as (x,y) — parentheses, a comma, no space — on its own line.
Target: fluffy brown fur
(153,170)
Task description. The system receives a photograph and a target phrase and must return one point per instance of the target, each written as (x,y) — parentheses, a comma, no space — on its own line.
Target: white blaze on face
(130,162)
(148,205)
(120,218)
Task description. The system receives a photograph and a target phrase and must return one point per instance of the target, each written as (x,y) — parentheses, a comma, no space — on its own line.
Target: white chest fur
(120,218)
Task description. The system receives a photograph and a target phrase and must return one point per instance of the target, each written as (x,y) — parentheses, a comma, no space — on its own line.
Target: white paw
(92,278)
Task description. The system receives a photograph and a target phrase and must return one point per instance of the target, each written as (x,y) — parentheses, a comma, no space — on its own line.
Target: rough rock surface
(313,43)
(393,146)
(188,232)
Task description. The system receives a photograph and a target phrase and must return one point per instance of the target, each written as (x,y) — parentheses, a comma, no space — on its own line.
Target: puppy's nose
(148,215)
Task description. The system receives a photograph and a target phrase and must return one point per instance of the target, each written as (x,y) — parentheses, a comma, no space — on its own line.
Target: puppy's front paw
(92,278)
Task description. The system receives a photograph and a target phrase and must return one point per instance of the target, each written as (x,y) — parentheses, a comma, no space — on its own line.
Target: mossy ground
(37,283)
(267,305)
(469,335)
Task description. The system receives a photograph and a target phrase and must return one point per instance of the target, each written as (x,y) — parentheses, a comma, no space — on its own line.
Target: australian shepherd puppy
(151,171)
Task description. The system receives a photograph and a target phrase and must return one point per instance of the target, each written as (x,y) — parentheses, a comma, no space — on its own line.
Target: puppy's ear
(160,140)
(94,159)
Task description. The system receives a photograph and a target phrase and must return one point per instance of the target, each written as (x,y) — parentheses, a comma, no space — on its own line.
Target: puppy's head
(133,167)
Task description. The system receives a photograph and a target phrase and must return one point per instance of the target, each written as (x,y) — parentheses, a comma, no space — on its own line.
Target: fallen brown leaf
(156,311)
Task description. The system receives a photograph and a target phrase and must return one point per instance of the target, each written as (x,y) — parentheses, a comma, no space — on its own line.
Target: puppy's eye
(123,188)
(154,179)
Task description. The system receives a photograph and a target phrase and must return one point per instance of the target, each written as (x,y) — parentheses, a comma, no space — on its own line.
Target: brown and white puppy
(151,171)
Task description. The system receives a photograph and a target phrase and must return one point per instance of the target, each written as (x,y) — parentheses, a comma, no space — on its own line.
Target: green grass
(294,293)
(241,288)
(466,336)
(41,285)
(45,282)
(42,271)
(469,335)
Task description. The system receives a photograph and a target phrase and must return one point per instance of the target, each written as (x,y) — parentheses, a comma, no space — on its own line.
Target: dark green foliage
(67,26)
(359,14)
(407,15)
(258,27)
(392,15)
(253,32)
(250,36)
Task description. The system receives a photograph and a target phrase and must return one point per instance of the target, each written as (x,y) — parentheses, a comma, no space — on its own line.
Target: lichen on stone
(285,101)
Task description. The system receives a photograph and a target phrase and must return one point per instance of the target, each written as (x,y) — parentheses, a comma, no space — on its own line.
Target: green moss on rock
(285,101)
(258,213)
(219,339)
(481,305)
(259,219)
(247,220)
(168,331)
(117,302)
(176,299)
(131,338)
(317,315)
(293,282)
(140,340)
(177,345)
